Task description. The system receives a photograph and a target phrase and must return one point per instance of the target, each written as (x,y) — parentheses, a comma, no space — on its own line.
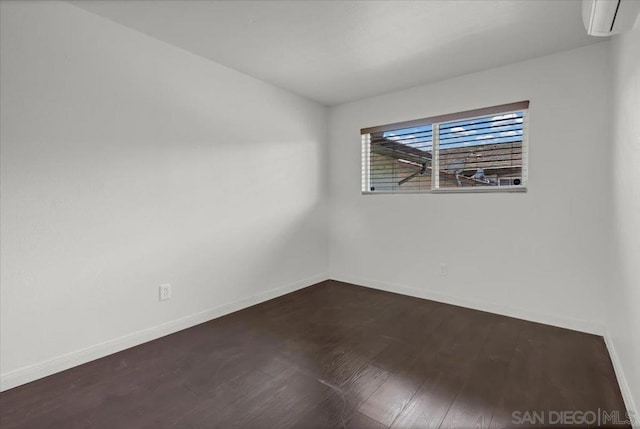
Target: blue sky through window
(505,128)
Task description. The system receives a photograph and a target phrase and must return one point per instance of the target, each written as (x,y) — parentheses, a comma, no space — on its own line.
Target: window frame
(435,122)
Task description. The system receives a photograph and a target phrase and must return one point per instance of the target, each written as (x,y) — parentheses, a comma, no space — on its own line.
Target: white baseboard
(518,313)
(629,401)
(34,372)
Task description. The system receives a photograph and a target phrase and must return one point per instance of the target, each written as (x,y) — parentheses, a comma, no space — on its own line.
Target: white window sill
(467,190)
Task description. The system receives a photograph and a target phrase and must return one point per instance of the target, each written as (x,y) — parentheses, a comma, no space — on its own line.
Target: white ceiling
(339,51)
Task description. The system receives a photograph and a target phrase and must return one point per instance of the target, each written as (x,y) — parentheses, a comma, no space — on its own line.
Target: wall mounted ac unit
(609,17)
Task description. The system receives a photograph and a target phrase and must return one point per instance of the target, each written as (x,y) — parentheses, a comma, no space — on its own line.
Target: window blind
(472,150)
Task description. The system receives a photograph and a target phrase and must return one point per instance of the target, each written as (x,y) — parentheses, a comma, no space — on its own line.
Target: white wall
(535,255)
(623,293)
(127,163)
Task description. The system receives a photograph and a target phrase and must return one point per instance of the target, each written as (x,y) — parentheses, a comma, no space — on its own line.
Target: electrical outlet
(443,269)
(165,292)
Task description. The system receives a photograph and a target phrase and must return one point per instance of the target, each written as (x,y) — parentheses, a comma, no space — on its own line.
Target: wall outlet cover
(165,292)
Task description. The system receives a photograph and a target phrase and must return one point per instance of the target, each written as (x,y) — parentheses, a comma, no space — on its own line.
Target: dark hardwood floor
(334,355)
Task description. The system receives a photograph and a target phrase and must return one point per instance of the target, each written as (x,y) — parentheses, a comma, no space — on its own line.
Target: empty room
(319,214)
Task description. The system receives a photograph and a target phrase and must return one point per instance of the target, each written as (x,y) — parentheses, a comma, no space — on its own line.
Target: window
(476,150)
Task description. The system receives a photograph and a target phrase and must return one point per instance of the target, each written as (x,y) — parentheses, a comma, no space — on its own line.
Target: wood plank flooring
(334,355)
